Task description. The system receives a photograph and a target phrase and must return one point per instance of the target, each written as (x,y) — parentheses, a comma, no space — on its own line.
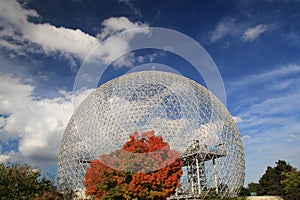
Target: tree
(23,182)
(270,182)
(244,192)
(146,169)
(253,187)
(291,183)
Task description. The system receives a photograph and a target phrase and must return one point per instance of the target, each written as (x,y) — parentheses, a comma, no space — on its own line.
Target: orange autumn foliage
(146,169)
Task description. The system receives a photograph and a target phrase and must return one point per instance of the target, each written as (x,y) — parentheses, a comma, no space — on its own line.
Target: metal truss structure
(187,115)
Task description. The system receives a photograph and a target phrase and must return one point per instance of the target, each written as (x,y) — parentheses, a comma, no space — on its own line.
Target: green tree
(254,187)
(22,182)
(244,192)
(270,182)
(291,183)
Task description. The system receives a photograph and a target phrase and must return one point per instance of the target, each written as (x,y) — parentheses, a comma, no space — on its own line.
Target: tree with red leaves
(145,168)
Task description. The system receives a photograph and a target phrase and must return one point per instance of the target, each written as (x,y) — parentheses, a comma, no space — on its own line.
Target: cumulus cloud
(252,33)
(38,124)
(61,39)
(14,13)
(31,37)
(115,25)
(50,38)
(113,45)
(9,45)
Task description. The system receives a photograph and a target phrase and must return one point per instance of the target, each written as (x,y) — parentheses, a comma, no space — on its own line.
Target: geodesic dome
(187,115)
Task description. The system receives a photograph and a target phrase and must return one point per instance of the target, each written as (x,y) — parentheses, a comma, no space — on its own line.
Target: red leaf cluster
(145,168)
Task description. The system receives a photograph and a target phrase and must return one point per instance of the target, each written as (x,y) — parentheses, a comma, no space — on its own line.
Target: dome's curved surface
(188,116)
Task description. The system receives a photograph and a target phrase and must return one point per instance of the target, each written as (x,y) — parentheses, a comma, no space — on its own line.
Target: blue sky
(254,44)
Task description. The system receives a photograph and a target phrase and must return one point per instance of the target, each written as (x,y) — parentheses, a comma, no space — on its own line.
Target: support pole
(191,178)
(216,178)
(198,175)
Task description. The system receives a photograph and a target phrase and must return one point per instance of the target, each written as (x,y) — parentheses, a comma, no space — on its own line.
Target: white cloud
(3,158)
(79,43)
(263,106)
(134,9)
(50,38)
(9,45)
(115,25)
(68,42)
(237,119)
(230,27)
(113,46)
(227,27)
(270,125)
(252,33)
(246,139)
(13,94)
(126,60)
(38,123)
(276,74)
(282,85)
(61,39)
(14,13)
(286,104)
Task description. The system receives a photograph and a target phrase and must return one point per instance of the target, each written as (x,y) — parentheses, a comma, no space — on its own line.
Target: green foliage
(270,182)
(235,198)
(228,198)
(291,183)
(282,180)
(253,187)
(244,192)
(22,182)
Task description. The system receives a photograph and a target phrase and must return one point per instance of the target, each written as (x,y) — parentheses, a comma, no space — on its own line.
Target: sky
(255,46)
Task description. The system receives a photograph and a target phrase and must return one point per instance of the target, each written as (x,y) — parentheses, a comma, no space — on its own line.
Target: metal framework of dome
(187,115)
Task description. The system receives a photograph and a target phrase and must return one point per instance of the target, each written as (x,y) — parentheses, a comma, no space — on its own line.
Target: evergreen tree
(244,192)
(254,187)
(291,183)
(270,182)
